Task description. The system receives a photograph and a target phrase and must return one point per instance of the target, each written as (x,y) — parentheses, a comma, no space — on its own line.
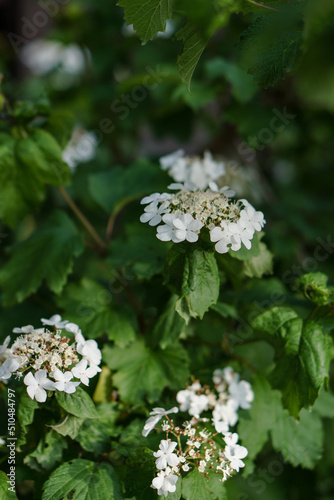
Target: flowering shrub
(172,200)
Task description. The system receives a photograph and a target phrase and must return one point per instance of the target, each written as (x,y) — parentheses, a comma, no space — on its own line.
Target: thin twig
(81,216)
(110,227)
(259,4)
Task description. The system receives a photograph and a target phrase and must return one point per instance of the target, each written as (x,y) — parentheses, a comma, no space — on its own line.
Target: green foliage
(89,304)
(271,43)
(164,314)
(300,442)
(6,494)
(25,416)
(50,250)
(147,17)
(78,404)
(302,349)
(192,273)
(143,372)
(196,485)
(114,189)
(314,287)
(194,45)
(83,479)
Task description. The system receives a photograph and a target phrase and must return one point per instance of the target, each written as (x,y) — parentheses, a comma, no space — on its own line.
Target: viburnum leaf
(192,273)
(5,492)
(169,326)
(78,404)
(83,480)
(194,45)
(303,351)
(196,485)
(147,16)
(48,452)
(144,372)
(46,255)
(300,442)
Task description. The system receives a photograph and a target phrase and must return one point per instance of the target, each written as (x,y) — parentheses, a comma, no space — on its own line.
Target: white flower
(165,482)
(202,466)
(165,455)
(250,219)
(155,198)
(227,375)
(234,453)
(72,328)
(167,232)
(221,426)
(156,415)
(4,346)
(83,373)
(24,329)
(226,190)
(55,320)
(169,160)
(187,228)
(183,398)
(198,404)
(226,412)
(90,351)
(153,213)
(241,393)
(8,367)
(63,383)
(38,385)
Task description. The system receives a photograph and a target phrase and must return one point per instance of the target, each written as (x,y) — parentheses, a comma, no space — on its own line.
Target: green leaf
(314,287)
(46,255)
(143,372)
(140,472)
(243,87)
(41,154)
(139,251)
(259,264)
(20,190)
(194,45)
(83,480)
(90,305)
(196,485)
(300,442)
(70,426)
(147,16)
(48,453)
(271,43)
(302,351)
(78,404)
(114,189)
(25,415)
(60,125)
(225,310)
(324,405)
(5,493)
(169,326)
(192,273)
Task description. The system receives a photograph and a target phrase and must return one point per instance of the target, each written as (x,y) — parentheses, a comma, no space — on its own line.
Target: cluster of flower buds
(201,442)
(192,207)
(50,360)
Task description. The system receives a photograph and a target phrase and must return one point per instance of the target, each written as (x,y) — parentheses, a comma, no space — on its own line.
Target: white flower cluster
(81,148)
(51,361)
(193,171)
(185,213)
(229,395)
(193,444)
